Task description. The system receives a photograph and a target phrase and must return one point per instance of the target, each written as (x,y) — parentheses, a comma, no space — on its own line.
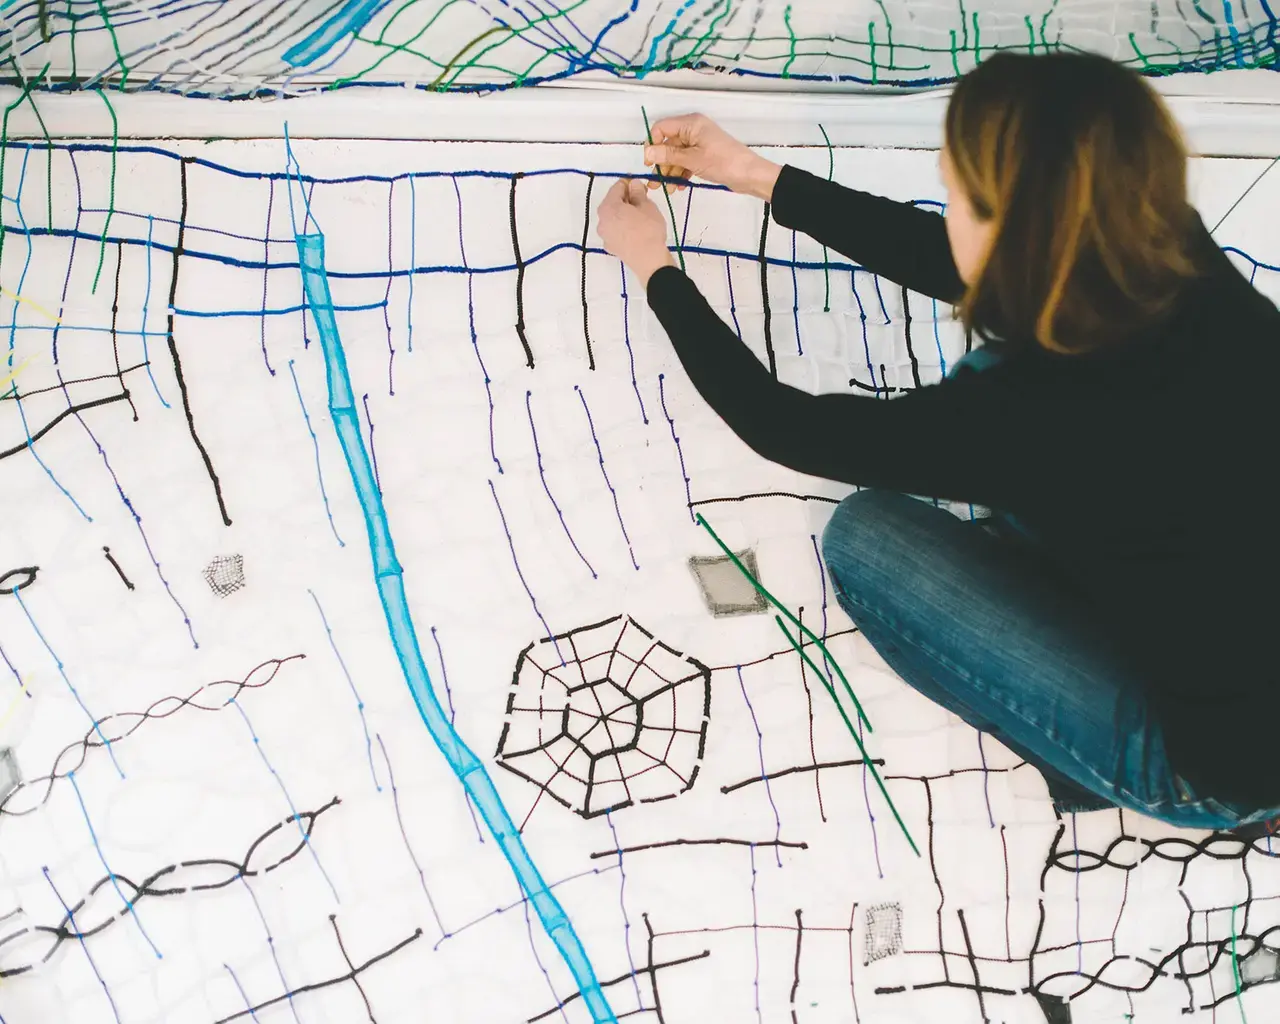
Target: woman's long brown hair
(1082,169)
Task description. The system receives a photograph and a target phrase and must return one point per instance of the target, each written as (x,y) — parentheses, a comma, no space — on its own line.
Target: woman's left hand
(633,229)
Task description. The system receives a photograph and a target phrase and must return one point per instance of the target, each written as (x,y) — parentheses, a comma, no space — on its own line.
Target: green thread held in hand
(675,231)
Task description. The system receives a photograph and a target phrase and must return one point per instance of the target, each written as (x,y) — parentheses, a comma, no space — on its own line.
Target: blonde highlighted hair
(1082,169)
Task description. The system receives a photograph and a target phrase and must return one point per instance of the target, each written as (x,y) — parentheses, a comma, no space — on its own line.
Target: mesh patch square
(725,589)
(883,932)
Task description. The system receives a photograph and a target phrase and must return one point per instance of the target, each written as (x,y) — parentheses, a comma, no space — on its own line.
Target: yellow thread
(4,719)
(27,302)
(15,371)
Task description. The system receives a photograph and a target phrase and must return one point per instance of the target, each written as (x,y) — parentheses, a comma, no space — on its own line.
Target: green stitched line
(559,12)
(115,45)
(696,53)
(786,20)
(866,758)
(786,611)
(49,143)
(826,266)
(394,48)
(1235,967)
(1133,42)
(675,231)
(111,199)
(71,17)
(461,53)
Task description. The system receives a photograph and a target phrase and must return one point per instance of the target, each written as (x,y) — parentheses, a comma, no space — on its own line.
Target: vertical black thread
(973,966)
(116,566)
(355,975)
(906,329)
(586,228)
(515,247)
(795,985)
(652,971)
(764,295)
(115,339)
(173,347)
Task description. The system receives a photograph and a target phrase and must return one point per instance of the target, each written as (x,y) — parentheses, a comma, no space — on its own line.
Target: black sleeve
(899,444)
(894,240)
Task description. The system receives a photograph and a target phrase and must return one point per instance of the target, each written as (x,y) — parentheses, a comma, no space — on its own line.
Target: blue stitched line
(389,579)
(315,446)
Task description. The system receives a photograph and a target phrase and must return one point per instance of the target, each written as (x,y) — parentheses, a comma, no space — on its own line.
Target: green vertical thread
(1031,34)
(1235,967)
(701,47)
(787,612)
(871,38)
(977,40)
(115,45)
(675,231)
(111,198)
(866,758)
(786,20)
(826,265)
(48,152)
(72,17)
(462,53)
(1133,42)
(955,64)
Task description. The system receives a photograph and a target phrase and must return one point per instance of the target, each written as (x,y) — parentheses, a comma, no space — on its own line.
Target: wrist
(648,266)
(763,178)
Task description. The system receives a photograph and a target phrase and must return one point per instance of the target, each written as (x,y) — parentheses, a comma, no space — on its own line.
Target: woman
(1111,622)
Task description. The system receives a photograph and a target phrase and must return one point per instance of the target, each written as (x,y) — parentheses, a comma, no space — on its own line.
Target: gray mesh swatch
(725,589)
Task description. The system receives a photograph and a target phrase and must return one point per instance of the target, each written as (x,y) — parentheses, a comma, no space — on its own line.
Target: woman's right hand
(694,145)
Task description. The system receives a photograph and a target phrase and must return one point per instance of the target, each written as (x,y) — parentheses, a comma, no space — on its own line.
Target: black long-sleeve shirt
(1147,470)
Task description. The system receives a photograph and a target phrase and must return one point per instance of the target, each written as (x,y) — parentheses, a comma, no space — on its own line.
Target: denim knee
(863,533)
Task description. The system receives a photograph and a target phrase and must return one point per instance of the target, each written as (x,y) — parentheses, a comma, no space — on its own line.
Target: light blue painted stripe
(352,17)
(389,577)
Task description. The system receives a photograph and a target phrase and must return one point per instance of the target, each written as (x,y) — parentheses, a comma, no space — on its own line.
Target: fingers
(680,129)
(617,194)
(659,154)
(669,172)
(635,191)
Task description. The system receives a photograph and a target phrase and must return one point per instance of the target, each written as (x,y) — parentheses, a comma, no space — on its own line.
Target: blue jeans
(980,625)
